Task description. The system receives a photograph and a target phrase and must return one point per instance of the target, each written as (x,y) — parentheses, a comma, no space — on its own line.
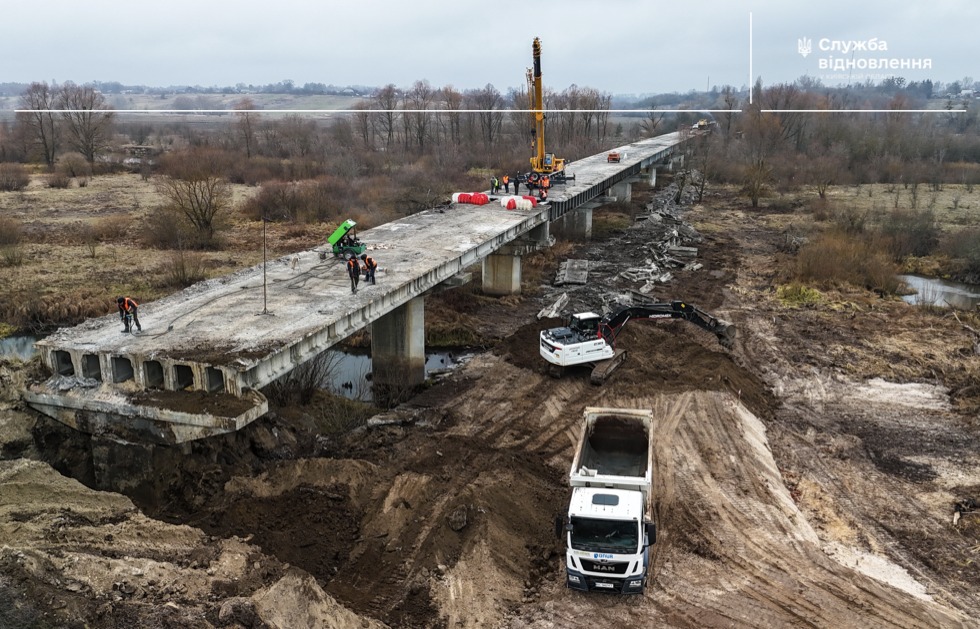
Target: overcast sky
(616,46)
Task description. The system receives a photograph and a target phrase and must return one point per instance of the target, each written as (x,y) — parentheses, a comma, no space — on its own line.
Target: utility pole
(265,299)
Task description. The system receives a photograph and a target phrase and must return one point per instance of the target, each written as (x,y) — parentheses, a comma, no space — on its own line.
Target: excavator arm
(611,324)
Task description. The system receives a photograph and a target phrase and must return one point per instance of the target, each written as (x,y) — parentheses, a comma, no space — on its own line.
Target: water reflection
(348,374)
(935,292)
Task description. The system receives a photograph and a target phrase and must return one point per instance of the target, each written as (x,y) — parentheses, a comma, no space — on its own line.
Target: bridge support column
(398,346)
(575,225)
(623,191)
(652,176)
(502,274)
(541,235)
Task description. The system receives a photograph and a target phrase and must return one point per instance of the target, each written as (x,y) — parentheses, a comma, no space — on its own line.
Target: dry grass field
(82,246)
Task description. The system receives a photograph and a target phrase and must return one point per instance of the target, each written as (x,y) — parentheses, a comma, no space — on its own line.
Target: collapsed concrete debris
(572,272)
(554,310)
(658,245)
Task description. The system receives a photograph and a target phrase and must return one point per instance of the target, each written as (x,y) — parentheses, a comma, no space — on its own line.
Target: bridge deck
(213,336)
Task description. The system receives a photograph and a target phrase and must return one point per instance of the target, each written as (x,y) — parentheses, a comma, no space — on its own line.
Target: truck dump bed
(615,450)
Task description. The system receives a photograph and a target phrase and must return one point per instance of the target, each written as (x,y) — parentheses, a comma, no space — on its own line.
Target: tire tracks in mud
(733,549)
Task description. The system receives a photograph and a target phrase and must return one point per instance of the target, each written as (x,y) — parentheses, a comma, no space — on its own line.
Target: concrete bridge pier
(651,173)
(502,269)
(623,191)
(502,273)
(576,224)
(398,346)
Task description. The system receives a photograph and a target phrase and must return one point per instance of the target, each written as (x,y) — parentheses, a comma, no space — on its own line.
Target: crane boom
(542,162)
(536,93)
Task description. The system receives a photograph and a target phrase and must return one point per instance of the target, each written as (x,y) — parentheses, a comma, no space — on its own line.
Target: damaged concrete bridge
(205,352)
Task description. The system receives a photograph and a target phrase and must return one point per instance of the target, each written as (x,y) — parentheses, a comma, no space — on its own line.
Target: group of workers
(354,270)
(129,309)
(532,181)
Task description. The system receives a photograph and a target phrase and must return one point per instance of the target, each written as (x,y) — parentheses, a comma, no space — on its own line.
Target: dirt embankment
(793,488)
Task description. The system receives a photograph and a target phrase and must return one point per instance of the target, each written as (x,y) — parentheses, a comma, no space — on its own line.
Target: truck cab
(609,527)
(607,541)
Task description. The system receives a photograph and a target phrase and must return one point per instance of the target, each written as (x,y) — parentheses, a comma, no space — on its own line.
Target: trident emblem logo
(804,46)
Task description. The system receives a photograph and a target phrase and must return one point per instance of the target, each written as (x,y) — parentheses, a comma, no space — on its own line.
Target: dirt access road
(806,478)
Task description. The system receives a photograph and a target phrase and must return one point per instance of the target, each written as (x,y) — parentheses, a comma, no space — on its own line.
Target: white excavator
(590,338)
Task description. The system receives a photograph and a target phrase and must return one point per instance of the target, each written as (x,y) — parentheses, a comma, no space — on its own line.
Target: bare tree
(488,100)
(387,101)
(730,103)
(362,123)
(40,120)
(194,188)
(762,133)
(87,117)
(245,126)
(452,102)
(702,161)
(651,124)
(420,99)
(603,104)
(299,135)
(792,125)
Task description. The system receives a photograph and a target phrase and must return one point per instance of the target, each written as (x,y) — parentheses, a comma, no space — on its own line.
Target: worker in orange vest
(546,182)
(370,266)
(128,307)
(354,271)
(506,181)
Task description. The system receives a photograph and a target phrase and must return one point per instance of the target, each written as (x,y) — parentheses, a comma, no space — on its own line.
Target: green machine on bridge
(344,242)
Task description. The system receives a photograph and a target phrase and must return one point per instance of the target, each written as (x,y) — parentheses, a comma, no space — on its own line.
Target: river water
(936,292)
(349,374)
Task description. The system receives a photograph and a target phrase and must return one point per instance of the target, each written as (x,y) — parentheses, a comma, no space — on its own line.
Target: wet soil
(793,488)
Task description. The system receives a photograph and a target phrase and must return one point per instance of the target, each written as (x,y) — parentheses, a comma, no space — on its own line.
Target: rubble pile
(658,245)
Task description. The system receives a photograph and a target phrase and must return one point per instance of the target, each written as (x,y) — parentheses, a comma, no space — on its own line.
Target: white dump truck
(609,527)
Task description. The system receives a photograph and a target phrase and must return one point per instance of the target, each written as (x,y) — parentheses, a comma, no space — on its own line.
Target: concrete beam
(102,410)
(398,346)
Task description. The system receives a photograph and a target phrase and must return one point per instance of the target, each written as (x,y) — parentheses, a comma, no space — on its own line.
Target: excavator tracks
(604,368)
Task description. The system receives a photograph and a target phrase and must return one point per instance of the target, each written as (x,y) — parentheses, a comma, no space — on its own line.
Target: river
(936,292)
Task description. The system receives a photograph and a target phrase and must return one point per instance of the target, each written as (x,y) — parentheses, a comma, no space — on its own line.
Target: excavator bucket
(725,332)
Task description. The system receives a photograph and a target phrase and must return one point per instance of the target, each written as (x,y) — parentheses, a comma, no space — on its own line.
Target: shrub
(910,232)
(58,180)
(183,269)
(325,199)
(11,251)
(965,245)
(837,257)
(74,165)
(13,177)
(850,220)
(167,229)
(112,227)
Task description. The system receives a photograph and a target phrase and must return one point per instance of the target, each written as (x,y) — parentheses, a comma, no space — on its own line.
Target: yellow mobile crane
(542,163)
